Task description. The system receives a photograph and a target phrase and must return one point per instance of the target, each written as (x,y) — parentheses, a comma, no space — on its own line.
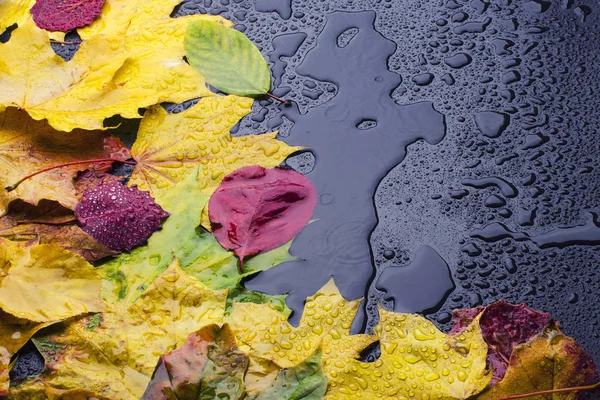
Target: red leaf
(118,216)
(503,326)
(64,15)
(257,209)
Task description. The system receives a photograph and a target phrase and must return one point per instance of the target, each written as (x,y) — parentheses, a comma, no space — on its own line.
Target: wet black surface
(454,145)
(499,194)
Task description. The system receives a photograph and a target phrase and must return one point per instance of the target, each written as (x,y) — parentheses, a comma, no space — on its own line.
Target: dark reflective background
(459,138)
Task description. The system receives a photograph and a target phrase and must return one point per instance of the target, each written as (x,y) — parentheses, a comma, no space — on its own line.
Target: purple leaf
(257,209)
(64,15)
(118,216)
(503,326)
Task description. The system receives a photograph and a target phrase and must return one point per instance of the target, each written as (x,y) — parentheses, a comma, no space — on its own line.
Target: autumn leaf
(549,361)
(50,223)
(14,333)
(227,59)
(14,12)
(207,366)
(118,216)
(65,15)
(503,326)
(198,251)
(114,358)
(31,275)
(88,180)
(132,62)
(239,294)
(169,146)
(28,146)
(267,333)
(256,209)
(304,381)
(416,360)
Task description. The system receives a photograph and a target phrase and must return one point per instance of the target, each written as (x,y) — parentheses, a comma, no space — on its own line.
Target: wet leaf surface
(28,146)
(31,275)
(64,15)
(256,209)
(227,58)
(549,361)
(118,216)
(116,358)
(170,146)
(207,366)
(198,251)
(133,61)
(304,381)
(504,326)
(14,333)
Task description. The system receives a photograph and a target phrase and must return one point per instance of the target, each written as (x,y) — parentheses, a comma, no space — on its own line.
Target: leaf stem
(278,98)
(542,392)
(98,160)
(59,42)
(240,265)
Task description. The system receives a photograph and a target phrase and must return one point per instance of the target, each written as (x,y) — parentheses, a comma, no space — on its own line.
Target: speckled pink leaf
(118,216)
(64,15)
(503,326)
(257,209)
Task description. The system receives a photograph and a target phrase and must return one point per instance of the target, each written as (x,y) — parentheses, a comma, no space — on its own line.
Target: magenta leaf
(64,15)
(257,209)
(118,216)
(504,326)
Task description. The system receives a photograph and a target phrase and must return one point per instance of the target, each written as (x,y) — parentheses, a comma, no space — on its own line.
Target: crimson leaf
(64,15)
(118,216)
(503,326)
(257,209)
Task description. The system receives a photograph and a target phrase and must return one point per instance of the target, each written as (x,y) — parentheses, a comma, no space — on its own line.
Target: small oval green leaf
(226,58)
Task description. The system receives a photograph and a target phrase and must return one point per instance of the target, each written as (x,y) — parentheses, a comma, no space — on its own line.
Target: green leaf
(226,58)
(239,294)
(199,253)
(304,381)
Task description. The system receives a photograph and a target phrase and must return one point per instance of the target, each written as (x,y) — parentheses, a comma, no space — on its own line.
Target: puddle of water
(350,160)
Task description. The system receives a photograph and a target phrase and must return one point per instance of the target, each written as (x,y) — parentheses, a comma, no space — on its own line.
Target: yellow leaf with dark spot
(14,333)
(44,283)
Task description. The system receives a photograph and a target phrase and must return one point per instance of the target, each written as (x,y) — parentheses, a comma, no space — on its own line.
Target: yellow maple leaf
(132,59)
(266,333)
(417,360)
(114,356)
(45,283)
(169,146)
(28,146)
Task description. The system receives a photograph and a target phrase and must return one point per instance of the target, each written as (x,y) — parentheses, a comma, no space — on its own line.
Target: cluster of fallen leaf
(166,316)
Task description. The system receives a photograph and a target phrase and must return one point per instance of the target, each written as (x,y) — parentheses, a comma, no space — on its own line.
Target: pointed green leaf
(305,381)
(226,58)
